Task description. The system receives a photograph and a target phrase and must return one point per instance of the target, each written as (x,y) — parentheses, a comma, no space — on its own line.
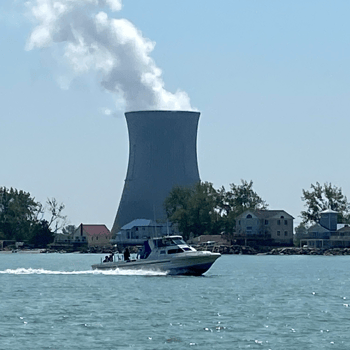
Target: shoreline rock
(310,251)
(246,250)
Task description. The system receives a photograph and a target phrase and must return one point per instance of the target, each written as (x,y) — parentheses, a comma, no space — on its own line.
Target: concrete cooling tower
(162,154)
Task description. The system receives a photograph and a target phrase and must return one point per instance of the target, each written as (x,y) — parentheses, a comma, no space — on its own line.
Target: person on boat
(111,257)
(106,259)
(126,254)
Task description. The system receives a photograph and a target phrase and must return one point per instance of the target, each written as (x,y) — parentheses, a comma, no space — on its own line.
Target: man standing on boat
(126,254)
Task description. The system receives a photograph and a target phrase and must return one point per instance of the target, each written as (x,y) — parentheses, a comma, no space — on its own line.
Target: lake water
(55,301)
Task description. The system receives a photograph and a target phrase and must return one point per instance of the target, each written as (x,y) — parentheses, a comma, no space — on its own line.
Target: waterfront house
(62,238)
(91,235)
(341,238)
(139,230)
(327,233)
(269,226)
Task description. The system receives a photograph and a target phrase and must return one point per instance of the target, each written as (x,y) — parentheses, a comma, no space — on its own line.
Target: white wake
(117,272)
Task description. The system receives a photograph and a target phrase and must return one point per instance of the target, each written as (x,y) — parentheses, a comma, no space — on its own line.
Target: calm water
(55,301)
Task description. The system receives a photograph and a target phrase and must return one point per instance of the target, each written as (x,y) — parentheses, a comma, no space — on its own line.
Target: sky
(270,79)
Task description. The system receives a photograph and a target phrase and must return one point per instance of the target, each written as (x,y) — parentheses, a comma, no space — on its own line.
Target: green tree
(205,218)
(194,209)
(322,197)
(22,217)
(18,211)
(41,235)
(202,209)
(177,208)
(236,201)
(242,197)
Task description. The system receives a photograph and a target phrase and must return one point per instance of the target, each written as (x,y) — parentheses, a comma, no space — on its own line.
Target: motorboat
(169,254)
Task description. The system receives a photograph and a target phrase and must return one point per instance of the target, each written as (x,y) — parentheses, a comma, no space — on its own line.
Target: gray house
(276,225)
(341,238)
(139,230)
(327,232)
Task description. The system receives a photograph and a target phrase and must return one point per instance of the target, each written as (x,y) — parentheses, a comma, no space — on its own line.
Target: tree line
(23,219)
(202,209)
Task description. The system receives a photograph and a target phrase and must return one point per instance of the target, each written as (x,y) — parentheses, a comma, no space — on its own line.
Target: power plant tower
(162,154)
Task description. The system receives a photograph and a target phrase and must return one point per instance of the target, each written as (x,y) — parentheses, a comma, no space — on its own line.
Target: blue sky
(270,78)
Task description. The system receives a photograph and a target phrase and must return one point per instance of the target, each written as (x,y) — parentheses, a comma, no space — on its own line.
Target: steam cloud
(113,48)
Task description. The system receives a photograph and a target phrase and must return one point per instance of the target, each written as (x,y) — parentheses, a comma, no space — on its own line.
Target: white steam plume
(114,48)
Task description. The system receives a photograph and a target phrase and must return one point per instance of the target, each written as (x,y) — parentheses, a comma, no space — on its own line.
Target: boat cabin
(162,246)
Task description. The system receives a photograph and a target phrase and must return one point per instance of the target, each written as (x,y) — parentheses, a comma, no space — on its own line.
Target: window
(249,216)
(266,222)
(249,228)
(174,251)
(286,233)
(282,217)
(163,242)
(285,222)
(278,233)
(278,222)
(178,241)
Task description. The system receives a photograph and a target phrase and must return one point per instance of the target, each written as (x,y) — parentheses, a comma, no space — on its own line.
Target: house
(7,243)
(317,231)
(275,226)
(139,230)
(62,239)
(327,233)
(341,238)
(96,235)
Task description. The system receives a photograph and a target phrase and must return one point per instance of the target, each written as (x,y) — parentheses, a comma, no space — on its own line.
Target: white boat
(167,254)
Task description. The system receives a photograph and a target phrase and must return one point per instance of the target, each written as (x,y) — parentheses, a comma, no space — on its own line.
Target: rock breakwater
(246,250)
(309,251)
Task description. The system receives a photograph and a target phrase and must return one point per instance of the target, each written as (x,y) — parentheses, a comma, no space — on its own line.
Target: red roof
(95,230)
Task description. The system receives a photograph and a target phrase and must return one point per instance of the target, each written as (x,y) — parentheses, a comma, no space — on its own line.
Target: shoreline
(224,250)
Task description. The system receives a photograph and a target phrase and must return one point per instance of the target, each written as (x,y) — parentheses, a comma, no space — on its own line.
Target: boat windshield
(165,242)
(179,241)
(162,242)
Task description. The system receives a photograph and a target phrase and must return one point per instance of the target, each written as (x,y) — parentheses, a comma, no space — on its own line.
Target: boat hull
(183,264)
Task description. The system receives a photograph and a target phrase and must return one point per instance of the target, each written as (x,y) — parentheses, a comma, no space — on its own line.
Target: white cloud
(113,48)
